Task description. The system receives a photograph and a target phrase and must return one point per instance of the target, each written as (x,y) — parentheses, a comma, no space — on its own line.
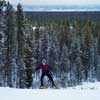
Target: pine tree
(2,47)
(2,4)
(64,66)
(21,43)
(98,36)
(37,45)
(28,64)
(28,54)
(10,43)
(97,54)
(87,58)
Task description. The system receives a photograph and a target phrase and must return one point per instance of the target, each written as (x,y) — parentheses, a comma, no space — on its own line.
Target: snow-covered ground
(87,91)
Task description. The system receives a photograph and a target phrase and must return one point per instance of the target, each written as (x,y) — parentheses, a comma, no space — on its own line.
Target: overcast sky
(55,2)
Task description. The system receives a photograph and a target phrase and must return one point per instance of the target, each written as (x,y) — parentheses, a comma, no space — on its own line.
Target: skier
(46,71)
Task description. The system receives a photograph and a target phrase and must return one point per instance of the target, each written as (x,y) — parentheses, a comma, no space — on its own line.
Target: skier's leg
(42,76)
(51,78)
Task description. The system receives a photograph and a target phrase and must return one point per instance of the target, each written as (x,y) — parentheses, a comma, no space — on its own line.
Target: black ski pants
(49,75)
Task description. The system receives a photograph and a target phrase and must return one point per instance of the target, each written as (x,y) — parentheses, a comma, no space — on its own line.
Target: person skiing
(46,71)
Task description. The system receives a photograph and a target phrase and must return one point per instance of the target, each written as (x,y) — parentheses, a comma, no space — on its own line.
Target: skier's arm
(37,68)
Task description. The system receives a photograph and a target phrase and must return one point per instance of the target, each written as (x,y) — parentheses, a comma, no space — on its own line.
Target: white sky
(55,2)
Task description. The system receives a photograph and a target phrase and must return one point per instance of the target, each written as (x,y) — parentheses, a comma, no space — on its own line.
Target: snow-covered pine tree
(28,53)
(10,43)
(2,47)
(87,54)
(98,54)
(2,4)
(21,43)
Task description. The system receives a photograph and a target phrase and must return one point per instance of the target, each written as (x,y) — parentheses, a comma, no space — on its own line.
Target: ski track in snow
(87,91)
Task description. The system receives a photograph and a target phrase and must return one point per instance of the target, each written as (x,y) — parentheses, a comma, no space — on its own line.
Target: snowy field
(88,91)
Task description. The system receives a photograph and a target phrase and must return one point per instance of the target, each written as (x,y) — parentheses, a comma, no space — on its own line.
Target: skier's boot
(54,87)
(42,87)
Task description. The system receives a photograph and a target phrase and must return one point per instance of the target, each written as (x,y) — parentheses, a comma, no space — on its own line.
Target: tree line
(70,45)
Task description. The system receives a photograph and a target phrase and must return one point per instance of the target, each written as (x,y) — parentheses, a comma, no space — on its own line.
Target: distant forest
(70,41)
(61,15)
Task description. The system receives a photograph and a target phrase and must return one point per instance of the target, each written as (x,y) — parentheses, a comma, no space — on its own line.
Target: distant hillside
(40,16)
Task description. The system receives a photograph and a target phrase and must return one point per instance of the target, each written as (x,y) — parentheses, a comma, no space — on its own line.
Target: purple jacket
(45,68)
